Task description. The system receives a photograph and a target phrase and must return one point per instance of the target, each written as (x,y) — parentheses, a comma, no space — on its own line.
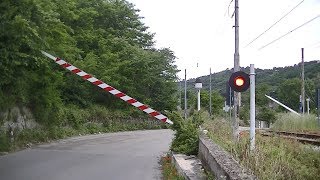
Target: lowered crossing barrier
(108,88)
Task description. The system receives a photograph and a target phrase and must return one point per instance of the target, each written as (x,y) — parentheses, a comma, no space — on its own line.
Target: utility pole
(302,84)
(210,106)
(237,97)
(252,108)
(185,94)
(198,86)
(308,105)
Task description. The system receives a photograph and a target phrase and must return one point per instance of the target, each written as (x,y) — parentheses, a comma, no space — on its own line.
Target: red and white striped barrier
(109,88)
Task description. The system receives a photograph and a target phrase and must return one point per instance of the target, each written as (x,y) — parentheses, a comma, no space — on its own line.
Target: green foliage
(244,114)
(105,38)
(281,83)
(217,101)
(266,114)
(292,122)
(4,142)
(273,158)
(290,90)
(186,138)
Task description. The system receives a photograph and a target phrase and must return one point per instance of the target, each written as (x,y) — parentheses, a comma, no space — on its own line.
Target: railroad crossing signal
(239,81)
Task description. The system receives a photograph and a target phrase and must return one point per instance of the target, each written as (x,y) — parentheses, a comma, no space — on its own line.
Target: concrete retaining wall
(219,162)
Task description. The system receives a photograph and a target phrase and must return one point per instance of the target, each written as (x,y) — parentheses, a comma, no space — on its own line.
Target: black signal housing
(239,81)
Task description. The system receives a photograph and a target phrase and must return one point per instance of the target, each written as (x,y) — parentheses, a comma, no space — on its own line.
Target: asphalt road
(126,155)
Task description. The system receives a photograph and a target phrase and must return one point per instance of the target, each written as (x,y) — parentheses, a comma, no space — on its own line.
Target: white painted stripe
(160,116)
(49,55)
(126,98)
(114,91)
(82,73)
(149,110)
(92,79)
(71,68)
(169,122)
(103,85)
(137,104)
(60,62)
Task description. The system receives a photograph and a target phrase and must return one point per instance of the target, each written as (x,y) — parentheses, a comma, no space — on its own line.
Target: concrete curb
(220,162)
(188,166)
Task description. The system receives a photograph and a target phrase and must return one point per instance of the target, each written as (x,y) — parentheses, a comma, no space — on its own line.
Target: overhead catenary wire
(227,11)
(274,24)
(289,32)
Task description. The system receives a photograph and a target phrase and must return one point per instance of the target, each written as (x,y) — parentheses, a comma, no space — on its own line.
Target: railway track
(308,138)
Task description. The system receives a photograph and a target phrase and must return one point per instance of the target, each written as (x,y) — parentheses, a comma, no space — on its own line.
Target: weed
(186,140)
(169,172)
(292,122)
(273,157)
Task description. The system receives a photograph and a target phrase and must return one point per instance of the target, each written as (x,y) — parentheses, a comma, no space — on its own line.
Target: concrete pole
(302,84)
(185,94)
(198,99)
(308,105)
(210,105)
(237,97)
(252,107)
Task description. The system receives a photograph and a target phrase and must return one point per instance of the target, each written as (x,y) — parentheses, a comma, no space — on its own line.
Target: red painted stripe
(143,107)
(66,65)
(76,71)
(97,82)
(155,113)
(85,77)
(109,88)
(120,94)
(131,101)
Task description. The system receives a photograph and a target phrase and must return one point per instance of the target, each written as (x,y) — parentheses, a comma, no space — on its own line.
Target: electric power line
(274,24)
(228,9)
(289,32)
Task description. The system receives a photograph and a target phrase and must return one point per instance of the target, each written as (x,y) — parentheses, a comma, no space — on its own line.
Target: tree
(105,38)
(289,92)
(216,104)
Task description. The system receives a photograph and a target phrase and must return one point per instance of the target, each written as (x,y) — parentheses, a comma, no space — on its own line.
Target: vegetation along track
(309,138)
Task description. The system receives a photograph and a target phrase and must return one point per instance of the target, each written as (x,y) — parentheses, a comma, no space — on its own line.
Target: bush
(4,142)
(244,114)
(266,114)
(186,138)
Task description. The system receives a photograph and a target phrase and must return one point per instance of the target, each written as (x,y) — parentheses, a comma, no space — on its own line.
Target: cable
(274,23)
(289,32)
(228,9)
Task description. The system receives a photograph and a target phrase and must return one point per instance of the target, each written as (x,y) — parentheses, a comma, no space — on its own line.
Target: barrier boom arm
(108,88)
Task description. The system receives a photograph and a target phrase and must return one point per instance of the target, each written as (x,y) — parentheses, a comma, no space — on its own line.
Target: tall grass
(169,172)
(273,158)
(295,123)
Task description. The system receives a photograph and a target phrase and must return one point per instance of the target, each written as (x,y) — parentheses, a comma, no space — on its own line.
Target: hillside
(272,77)
(282,83)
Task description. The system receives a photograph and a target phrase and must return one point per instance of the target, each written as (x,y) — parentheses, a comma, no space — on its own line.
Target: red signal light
(239,81)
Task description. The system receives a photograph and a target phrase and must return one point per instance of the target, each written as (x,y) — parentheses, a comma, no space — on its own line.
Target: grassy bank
(273,158)
(27,137)
(292,122)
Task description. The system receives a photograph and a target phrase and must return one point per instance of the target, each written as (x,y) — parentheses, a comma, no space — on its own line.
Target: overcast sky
(201,32)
